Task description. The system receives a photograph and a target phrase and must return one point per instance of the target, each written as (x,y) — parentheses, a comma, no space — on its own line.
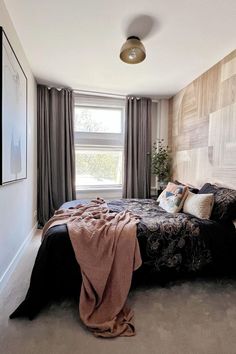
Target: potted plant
(161,163)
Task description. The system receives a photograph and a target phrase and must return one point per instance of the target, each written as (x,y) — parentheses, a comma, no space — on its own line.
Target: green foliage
(103,165)
(161,161)
(85,122)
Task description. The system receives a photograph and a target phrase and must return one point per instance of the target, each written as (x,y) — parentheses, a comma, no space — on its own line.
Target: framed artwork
(13,115)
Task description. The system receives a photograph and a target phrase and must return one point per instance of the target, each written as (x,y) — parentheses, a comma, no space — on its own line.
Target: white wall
(18,200)
(155,106)
(162,120)
(160,114)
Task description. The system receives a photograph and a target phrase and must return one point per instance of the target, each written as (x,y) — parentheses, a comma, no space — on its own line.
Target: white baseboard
(10,269)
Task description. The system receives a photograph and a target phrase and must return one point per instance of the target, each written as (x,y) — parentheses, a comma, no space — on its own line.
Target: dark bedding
(170,244)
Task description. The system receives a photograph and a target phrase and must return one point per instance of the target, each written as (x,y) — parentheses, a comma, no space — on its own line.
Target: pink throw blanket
(107,250)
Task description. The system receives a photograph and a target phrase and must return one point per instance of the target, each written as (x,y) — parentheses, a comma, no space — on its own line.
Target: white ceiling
(76,43)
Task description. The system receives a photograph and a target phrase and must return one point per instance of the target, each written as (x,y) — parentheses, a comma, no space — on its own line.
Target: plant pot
(161,185)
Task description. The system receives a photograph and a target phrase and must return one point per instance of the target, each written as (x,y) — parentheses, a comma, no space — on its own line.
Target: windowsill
(98,189)
(105,193)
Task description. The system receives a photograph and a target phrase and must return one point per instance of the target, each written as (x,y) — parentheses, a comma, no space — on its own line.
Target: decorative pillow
(190,187)
(172,198)
(199,205)
(225,202)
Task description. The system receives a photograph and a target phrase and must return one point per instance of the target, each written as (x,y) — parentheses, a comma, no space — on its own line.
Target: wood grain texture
(202,121)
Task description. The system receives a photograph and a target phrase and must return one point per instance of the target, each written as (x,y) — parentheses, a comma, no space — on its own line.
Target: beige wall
(18,200)
(203,127)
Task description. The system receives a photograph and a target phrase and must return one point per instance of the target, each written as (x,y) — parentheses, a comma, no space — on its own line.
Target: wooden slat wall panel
(203,127)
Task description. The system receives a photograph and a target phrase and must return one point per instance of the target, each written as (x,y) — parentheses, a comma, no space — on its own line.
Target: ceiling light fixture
(132,51)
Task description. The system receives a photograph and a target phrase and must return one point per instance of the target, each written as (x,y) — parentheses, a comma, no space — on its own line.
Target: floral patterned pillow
(173,197)
(225,202)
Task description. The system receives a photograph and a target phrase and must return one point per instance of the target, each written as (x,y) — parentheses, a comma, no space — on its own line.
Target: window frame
(101,141)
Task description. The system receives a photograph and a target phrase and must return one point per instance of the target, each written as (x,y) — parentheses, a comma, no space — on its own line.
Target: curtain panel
(56,153)
(137,164)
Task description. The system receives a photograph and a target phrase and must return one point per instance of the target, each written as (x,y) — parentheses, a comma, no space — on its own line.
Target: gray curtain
(56,154)
(137,167)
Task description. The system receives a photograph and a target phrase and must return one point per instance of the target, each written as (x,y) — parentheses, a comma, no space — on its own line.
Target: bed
(171,245)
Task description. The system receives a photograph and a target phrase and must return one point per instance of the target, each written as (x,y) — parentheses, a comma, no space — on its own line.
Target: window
(98,120)
(99,136)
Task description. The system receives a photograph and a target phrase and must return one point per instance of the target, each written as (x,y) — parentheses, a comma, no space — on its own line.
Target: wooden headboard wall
(202,121)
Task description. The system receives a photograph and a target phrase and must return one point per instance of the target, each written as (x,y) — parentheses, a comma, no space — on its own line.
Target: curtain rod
(106,94)
(100,93)
(95,93)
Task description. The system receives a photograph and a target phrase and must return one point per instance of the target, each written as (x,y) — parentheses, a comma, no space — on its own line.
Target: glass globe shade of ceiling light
(132,51)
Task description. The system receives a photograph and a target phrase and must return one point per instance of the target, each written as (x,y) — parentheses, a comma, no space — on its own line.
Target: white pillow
(199,205)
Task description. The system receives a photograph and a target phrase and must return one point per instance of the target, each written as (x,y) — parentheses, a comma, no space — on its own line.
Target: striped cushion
(199,205)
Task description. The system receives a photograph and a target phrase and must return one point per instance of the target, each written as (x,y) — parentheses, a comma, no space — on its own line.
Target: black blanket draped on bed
(169,244)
